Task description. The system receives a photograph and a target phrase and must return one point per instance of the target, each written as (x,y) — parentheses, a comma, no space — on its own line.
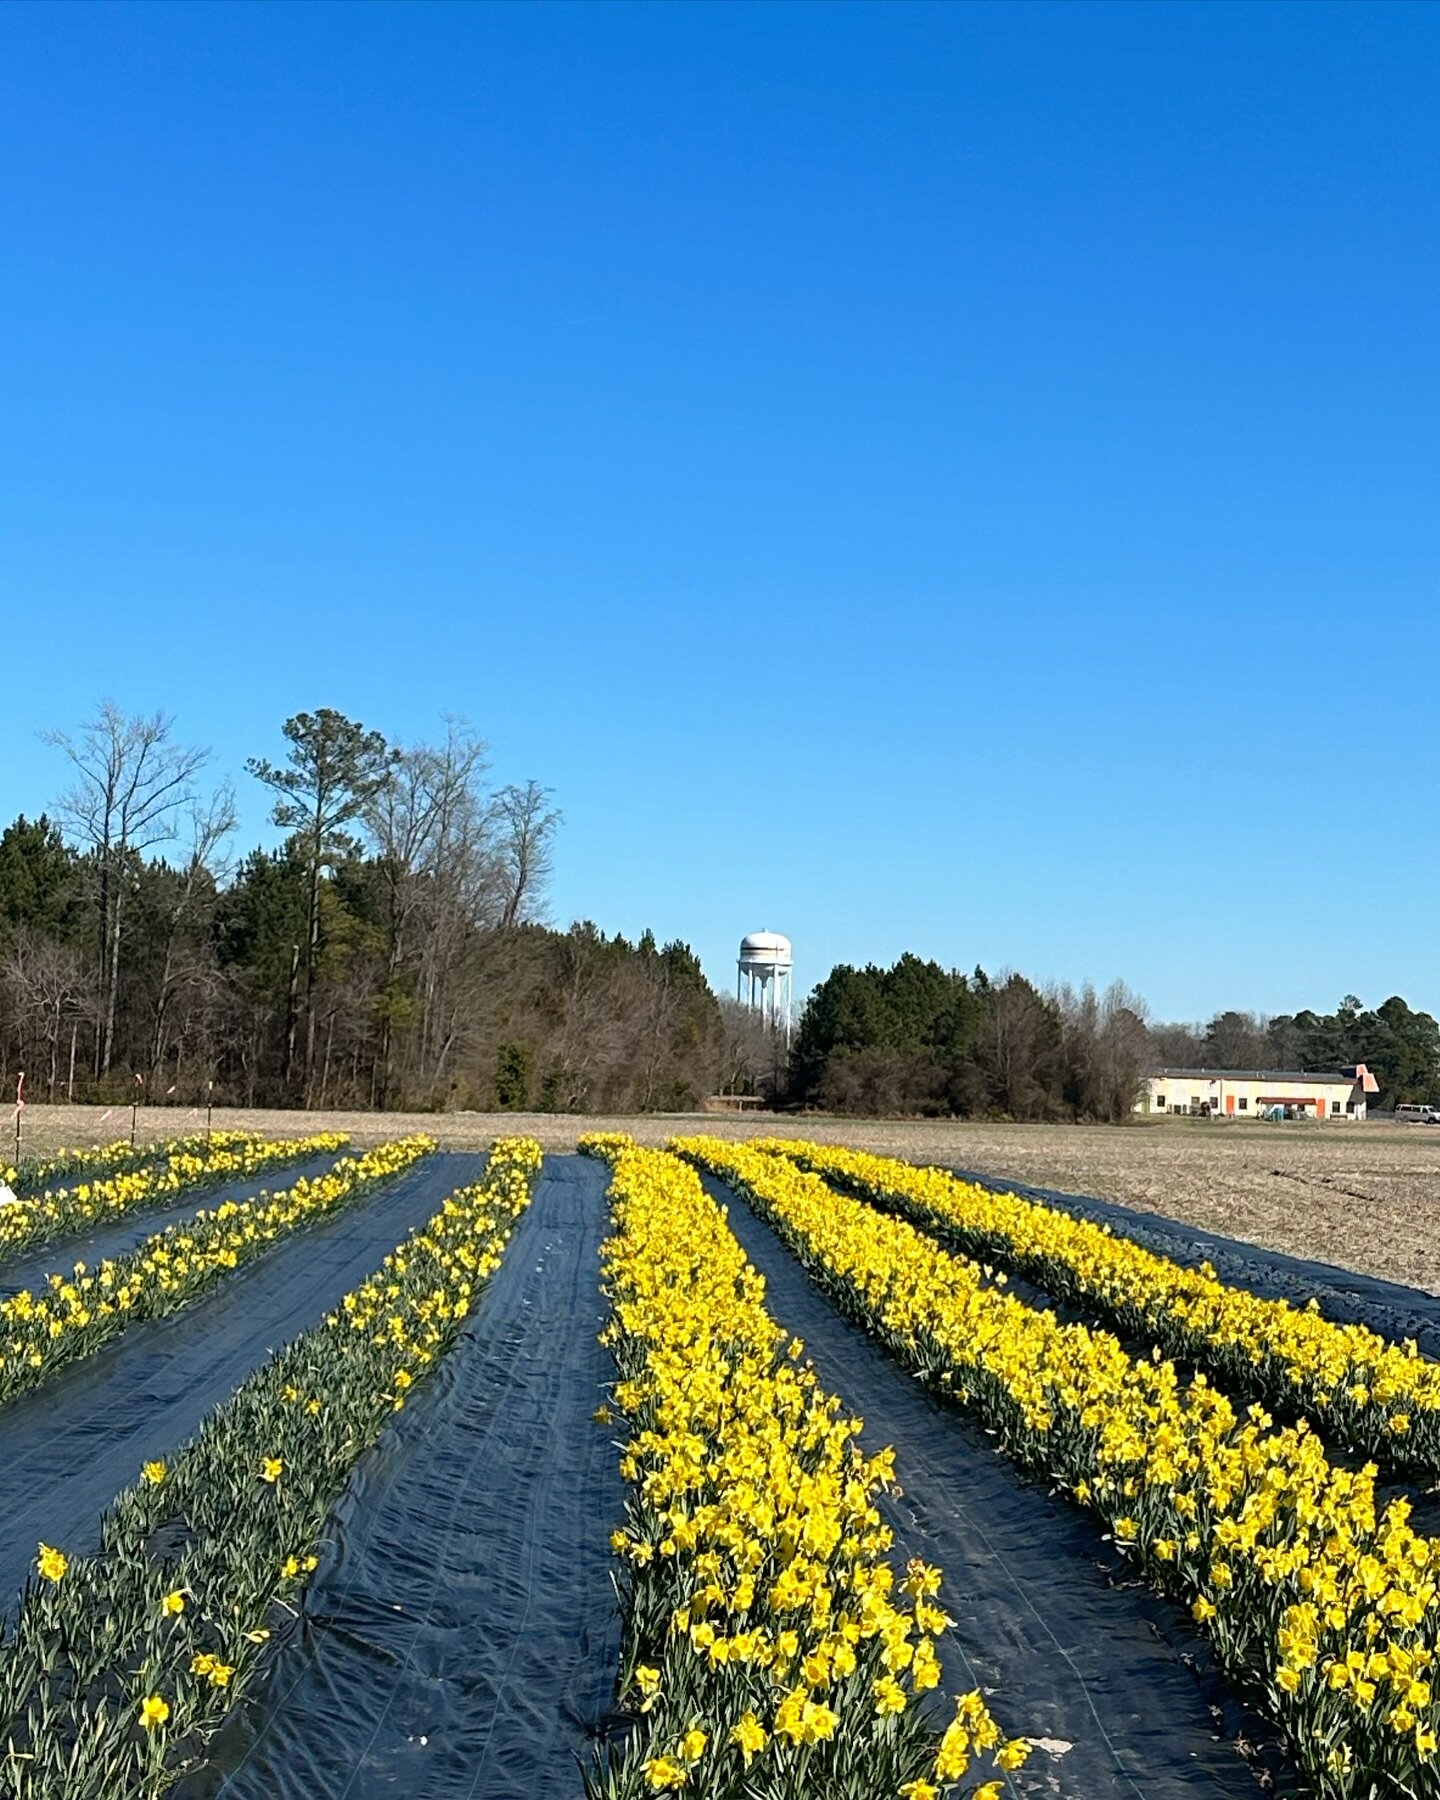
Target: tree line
(391,952)
(918,1038)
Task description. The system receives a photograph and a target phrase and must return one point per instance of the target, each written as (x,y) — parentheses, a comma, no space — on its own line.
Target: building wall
(1247,1097)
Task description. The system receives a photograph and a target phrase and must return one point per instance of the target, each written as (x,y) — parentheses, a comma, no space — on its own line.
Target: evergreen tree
(335,769)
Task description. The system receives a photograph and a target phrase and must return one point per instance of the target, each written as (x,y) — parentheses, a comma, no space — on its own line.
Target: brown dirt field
(1365,1197)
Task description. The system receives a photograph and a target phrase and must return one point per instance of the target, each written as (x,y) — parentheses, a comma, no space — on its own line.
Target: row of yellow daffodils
(35,1174)
(770,1651)
(1322,1600)
(1377,1397)
(71,1316)
(123,1664)
(50,1217)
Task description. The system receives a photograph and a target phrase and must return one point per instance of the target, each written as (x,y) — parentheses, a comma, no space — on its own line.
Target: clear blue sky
(959,478)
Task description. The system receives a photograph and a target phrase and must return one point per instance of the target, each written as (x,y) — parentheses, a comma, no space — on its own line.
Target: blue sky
(958,478)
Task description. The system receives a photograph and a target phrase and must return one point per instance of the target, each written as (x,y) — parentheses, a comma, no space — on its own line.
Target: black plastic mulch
(118,1235)
(1396,1312)
(460,1639)
(67,1448)
(1114,1681)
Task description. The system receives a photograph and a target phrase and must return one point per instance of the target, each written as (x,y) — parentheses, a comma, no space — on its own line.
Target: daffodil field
(1311,1589)
(771,1649)
(122,1662)
(38,1174)
(35,1173)
(74,1314)
(1372,1396)
(738,1563)
(123,1182)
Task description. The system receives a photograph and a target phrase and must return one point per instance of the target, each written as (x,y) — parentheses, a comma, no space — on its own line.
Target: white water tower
(763,978)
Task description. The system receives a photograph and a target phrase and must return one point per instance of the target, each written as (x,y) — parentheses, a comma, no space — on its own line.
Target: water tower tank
(766,964)
(765,951)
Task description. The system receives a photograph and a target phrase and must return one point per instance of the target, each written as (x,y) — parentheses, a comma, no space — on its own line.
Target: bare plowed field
(1363,1197)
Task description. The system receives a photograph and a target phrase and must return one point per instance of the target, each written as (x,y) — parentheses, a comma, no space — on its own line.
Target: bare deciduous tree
(211,820)
(1104,1047)
(132,783)
(45,991)
(526,824)
(749,1051)
(431,827)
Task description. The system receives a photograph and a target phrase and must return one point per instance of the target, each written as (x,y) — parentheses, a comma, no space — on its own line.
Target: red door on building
(1229,1104)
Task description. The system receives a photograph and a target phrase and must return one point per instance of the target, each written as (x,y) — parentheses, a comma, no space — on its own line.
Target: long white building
(1259,1093)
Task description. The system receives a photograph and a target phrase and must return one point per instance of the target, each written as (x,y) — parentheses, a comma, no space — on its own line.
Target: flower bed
(123,1664)
(72,1316)
(37,1173)
(769,1650)
(1376,1397)
(185,1166)
(1320,1600)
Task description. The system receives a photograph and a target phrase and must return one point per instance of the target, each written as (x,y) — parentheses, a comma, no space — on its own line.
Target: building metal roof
(1335,1077)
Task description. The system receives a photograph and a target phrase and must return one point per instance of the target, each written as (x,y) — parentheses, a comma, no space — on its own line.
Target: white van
(1417,1115)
